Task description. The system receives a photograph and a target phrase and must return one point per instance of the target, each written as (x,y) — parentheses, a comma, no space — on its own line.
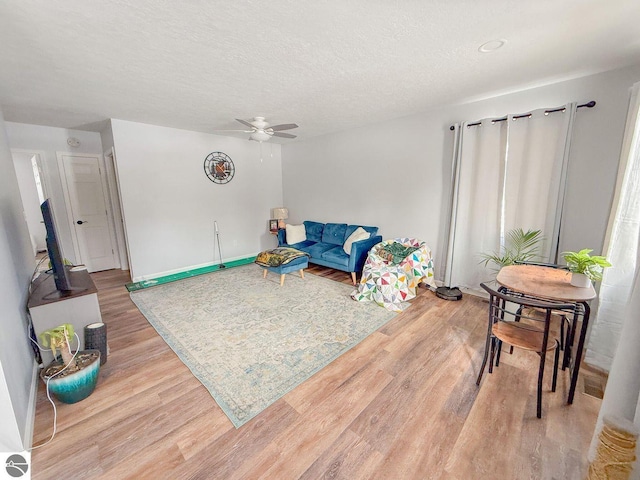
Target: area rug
(249,340)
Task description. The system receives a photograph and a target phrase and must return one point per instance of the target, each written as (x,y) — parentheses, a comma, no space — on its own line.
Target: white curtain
(621,247)
(537,158)
(477,200)
(509,174)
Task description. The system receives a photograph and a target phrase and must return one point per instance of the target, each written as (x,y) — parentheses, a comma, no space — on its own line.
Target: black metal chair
(522,322)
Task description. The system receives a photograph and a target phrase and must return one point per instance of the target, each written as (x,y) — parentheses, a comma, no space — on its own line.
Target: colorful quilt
(390,280)
(278,256)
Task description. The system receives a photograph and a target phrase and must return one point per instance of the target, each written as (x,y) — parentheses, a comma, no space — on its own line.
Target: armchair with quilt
(392,272)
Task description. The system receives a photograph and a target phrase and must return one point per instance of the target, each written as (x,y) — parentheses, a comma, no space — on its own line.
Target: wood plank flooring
(403,404)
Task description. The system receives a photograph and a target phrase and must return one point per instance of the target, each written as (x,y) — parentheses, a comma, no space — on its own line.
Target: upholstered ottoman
(296,264)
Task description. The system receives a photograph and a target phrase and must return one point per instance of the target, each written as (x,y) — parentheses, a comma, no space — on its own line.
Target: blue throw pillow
(314,230)
(334,233)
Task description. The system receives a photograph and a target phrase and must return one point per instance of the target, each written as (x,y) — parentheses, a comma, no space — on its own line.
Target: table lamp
(280,214)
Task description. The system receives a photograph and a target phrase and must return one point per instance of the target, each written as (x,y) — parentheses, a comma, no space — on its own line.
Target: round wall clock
(219,167)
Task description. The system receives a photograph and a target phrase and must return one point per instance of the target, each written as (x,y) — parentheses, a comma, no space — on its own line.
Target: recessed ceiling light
(491,46)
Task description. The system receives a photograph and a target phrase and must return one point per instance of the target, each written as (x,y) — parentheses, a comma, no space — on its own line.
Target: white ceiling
(327,65)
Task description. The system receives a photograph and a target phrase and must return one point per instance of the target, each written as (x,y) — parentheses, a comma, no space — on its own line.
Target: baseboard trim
(30,420)
(151,282)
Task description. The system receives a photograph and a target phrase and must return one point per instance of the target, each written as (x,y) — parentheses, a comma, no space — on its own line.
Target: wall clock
(219,167)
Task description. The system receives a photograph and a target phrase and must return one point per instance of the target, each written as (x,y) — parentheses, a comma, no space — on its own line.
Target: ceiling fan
(261,131)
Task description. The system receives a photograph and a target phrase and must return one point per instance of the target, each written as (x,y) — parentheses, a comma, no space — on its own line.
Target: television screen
(60,272)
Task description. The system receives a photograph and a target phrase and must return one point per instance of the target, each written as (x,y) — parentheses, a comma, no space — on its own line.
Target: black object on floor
(449,293)
(95,338)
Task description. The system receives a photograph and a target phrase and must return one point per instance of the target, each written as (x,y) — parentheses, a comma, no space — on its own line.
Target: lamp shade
(279,213)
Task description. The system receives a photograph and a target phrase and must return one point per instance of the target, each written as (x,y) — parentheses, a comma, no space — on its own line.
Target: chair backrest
(526,300)
(507,306)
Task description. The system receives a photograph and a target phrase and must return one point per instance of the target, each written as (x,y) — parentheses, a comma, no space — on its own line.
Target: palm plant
(519,247)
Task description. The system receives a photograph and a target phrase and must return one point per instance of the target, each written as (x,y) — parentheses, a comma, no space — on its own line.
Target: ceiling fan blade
(284,126)
(245,123)
(244,131)
(283,135)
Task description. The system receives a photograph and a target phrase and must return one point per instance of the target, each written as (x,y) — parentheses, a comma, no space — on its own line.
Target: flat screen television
(61,272)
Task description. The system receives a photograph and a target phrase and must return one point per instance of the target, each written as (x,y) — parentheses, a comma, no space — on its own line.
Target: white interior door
(87,210)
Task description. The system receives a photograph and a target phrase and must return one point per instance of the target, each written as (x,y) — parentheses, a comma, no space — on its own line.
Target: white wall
(50,140)
(170,205)
(396,174)
(16,357)
(30,199)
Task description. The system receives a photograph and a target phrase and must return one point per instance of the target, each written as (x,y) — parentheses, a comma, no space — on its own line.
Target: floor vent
(593,386)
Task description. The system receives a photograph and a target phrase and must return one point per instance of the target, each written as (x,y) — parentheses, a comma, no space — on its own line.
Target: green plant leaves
(520,247)
(56,337)
(581,262)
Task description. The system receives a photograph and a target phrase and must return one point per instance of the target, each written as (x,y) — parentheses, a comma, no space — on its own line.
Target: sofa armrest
(281,237)
(359,251)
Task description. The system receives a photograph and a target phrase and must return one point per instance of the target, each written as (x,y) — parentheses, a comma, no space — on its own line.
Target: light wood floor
(403,404)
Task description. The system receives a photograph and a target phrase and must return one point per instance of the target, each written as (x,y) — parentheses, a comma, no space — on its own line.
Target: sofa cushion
(314,230)
(373,231)
(336,255)
(359,234)
(317,249)
(334,233)
(303,246)
(295,234)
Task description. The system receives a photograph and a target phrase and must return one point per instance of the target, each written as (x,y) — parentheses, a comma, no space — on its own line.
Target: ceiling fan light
(260,136)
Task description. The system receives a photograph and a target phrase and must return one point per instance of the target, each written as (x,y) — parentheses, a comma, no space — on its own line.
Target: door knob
(80,222)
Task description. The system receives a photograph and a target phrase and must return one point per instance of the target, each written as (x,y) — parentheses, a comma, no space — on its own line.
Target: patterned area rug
(250,341)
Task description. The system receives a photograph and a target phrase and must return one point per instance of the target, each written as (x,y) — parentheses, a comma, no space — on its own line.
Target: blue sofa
(325,241)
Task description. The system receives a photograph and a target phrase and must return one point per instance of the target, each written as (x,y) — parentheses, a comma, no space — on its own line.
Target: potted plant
(585,268)
(73,377)
(519,247)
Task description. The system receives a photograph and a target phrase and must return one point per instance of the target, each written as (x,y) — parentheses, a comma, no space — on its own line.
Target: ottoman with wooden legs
(283,260)
(298,264)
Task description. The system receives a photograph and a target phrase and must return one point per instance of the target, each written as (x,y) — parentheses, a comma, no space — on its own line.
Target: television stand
(50,307)
(62,294)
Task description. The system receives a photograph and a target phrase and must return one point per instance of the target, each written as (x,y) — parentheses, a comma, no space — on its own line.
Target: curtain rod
(590,104)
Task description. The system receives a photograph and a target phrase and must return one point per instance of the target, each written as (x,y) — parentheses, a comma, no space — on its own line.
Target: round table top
(543,282)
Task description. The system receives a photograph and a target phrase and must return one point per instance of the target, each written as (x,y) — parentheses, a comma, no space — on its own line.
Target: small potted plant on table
(585,268)
(74,377)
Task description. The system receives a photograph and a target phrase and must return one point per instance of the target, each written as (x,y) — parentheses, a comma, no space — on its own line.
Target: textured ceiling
(327,65)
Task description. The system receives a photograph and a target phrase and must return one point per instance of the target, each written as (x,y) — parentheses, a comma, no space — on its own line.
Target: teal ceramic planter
(77,386)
